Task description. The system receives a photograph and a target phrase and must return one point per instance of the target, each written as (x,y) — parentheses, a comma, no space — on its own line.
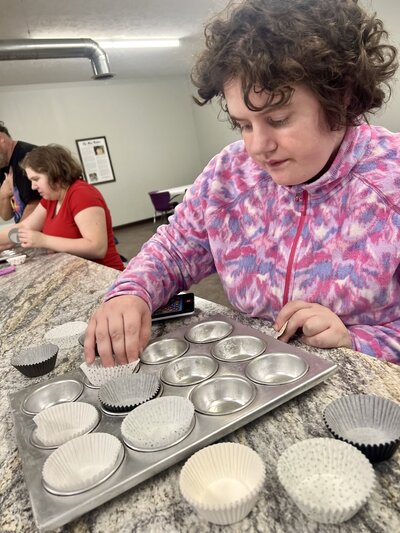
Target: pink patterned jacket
(335,241)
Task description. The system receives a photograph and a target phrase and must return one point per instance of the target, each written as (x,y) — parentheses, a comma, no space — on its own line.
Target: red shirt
(80,195)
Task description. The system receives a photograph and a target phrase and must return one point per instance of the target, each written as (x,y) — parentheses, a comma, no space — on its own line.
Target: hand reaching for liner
(320,326)
(121,326)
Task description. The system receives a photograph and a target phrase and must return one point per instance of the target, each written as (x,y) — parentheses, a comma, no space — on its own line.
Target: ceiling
(104,20)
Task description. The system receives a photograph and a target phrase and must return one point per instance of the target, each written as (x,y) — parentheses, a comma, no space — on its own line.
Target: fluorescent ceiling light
(141,43)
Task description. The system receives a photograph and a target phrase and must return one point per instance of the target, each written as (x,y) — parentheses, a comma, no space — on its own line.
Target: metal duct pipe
(58,48)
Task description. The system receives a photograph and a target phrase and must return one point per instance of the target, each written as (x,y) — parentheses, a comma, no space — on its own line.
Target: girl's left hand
(319,325)
(31,238)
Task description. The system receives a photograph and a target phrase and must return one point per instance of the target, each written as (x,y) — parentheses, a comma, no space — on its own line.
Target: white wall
(156,135)
(149,127)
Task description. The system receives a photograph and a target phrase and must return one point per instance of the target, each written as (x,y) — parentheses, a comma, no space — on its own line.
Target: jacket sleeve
(380,341)
(176,257)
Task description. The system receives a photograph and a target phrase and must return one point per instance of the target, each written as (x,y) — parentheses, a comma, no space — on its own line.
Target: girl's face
(40,183)
(293,143)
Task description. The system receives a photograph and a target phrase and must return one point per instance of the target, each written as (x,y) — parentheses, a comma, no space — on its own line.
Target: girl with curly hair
(301,218)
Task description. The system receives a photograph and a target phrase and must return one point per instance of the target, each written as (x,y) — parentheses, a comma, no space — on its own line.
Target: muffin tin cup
(276,369)
(189,370)
(370,423)
(222,395)
(238,348)
(163,351)
(66,390)
(209,331)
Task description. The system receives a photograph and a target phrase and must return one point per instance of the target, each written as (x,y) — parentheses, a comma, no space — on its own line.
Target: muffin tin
(227,393)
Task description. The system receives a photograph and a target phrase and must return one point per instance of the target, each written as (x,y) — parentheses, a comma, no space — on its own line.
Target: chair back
(161,200)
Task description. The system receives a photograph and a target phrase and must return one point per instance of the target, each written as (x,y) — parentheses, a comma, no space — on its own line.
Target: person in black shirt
(17,199)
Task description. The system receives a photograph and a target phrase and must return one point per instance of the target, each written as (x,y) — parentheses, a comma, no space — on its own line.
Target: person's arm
(93,244)
(6,193)
(177,256)
(34,222)
(29,208)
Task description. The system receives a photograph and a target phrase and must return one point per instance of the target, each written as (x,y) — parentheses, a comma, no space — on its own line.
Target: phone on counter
(179,305)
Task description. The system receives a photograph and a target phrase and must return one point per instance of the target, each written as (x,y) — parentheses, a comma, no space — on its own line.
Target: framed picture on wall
(96,161)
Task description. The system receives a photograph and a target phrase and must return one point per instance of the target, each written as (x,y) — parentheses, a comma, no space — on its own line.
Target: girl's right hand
(120,329)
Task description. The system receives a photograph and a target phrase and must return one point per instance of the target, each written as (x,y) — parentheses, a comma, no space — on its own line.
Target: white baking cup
(82,463)
(66,335)
(329,480)
(17,260)
(126,392)
(158,424)
(222,481)
(98,374)
(65,421)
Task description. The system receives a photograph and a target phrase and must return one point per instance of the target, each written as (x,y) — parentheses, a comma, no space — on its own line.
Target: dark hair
(56,162)
(3,129)
(332,46)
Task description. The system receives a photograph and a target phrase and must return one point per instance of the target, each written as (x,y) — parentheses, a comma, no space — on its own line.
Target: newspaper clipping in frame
(95,159)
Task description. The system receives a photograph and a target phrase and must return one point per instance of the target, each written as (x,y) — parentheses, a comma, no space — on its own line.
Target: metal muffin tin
(238,396)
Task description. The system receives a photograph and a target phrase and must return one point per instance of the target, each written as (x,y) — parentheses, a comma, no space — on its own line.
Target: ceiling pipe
(12,49)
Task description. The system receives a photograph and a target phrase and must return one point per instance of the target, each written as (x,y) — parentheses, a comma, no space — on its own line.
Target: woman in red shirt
(72,216)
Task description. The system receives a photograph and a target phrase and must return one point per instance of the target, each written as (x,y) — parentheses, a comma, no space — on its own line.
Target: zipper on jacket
(298,198)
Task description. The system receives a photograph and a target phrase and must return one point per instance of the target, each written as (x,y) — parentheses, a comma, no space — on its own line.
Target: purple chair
(162,203)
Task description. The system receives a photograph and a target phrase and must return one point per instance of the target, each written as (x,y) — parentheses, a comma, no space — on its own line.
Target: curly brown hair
(332,46)
(56,162)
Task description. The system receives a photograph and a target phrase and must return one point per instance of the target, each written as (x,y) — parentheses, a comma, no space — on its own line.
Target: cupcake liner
(124,393)
(36,361)
(328,480)
(66,421)
(370,423)
(66,335)
(223,481)
(159,423)
(17,260)
(82,463)
(98,374)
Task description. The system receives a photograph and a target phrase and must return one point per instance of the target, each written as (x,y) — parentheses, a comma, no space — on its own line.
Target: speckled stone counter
(52,289)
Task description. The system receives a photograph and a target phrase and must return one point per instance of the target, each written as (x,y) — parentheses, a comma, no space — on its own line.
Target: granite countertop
(51,289)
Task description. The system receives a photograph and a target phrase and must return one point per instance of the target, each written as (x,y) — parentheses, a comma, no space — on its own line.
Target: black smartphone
(179,305)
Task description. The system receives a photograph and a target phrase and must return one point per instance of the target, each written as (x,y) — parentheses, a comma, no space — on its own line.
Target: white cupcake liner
(98,375)
(66,335)
(126,392)
(17,260)
(82,463)
(66,421)
(159,423)
(223,481)
(371,423)
(328,480)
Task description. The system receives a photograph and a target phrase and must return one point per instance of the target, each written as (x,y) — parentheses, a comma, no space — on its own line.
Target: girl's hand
(319,325)
(120,329)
